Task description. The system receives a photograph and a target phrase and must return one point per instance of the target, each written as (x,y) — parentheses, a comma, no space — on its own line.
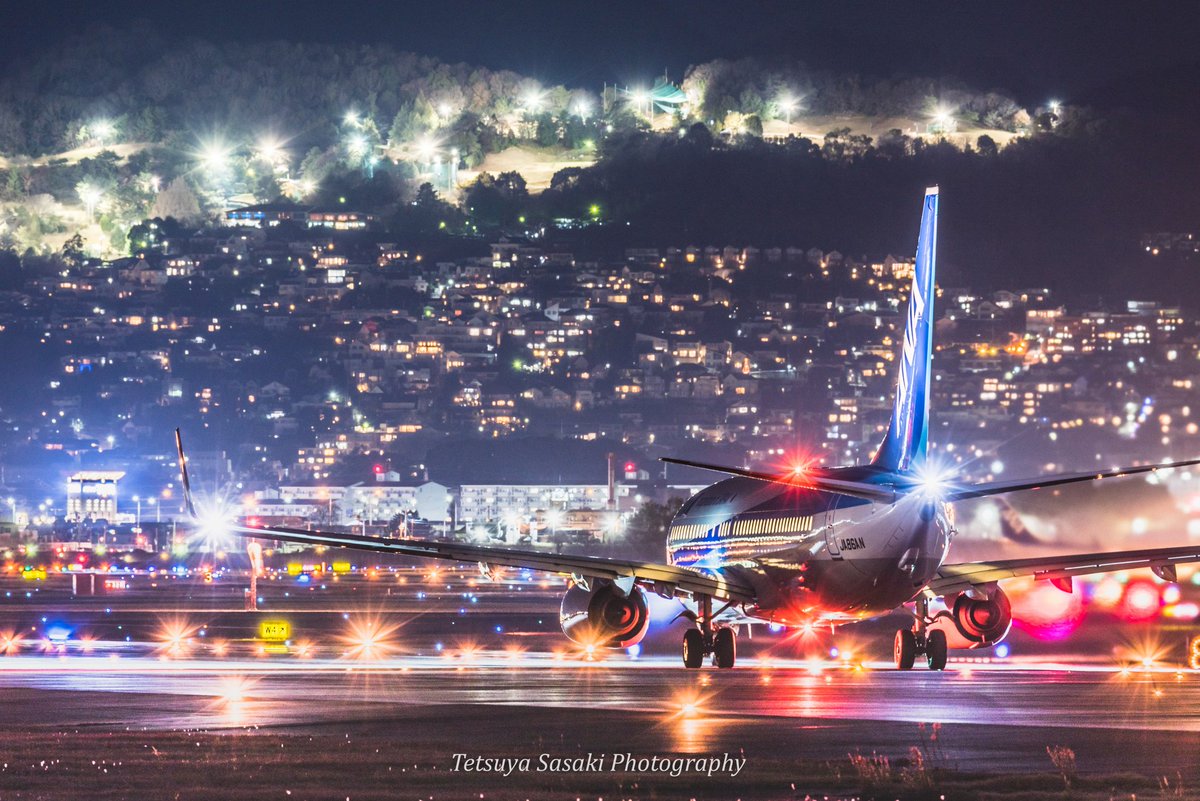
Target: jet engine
(975,622)
(603,615)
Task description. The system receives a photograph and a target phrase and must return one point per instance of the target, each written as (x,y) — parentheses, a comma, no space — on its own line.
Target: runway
(380,677)
(991,717)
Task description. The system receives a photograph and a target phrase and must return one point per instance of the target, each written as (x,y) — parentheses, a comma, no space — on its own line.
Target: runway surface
(989,717)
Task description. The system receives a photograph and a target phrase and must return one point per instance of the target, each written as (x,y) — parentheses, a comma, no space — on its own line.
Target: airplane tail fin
(907,437)
(183,476)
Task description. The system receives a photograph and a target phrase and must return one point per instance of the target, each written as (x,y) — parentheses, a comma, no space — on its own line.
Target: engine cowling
(603,616)
(975,623)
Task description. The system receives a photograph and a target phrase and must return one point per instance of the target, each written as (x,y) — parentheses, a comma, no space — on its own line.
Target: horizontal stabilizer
(962,493)
(806,479)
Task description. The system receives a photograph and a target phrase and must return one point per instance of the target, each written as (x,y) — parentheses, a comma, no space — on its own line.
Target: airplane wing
(660,575)
(964,576)
(663,577)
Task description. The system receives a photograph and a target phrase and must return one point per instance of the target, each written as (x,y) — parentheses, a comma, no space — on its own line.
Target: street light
(270,150)
(91,197)
(788,104)
(426,147)
(214,156)
(583,108)
(357,146)
(102,130)
(639,97)
(532,100)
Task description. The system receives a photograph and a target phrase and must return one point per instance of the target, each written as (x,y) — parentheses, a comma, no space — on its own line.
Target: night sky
(1099,52)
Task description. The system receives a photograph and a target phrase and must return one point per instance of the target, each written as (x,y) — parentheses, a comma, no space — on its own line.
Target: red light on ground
(630,467)
(378,469)
(1142,601)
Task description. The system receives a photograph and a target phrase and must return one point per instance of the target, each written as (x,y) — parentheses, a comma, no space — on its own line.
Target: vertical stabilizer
(907,436)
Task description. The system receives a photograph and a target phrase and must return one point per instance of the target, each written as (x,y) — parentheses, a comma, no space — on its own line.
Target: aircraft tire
(693,648)
(935,650)
(724,648)
(906,649)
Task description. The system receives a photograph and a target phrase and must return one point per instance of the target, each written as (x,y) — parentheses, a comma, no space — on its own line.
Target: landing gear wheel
(935,649)
(906,649)
(724,648)
(693,648)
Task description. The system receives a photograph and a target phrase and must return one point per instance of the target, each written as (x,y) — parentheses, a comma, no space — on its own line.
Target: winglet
(183,476)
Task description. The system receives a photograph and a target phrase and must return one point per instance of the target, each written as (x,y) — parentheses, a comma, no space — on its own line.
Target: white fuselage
(813,555)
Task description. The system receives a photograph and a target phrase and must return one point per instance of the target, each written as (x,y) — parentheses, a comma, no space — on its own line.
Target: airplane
(805,546)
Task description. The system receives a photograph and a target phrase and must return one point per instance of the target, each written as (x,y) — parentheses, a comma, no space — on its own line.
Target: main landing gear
(920,640)
(707,640)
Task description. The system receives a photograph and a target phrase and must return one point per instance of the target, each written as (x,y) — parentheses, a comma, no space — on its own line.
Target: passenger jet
(807,546)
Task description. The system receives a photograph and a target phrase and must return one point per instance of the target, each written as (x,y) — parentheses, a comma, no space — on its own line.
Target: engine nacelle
(603,617)
(973,623)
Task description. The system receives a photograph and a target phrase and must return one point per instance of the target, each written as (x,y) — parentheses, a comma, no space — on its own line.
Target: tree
(646,533)
(72,251)
(414,119)
(178,201)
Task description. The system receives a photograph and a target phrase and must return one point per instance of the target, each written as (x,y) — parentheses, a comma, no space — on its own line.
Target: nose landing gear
(920,640)
(720,643)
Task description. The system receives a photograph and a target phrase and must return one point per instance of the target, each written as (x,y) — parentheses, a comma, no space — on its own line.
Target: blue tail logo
(908,433)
